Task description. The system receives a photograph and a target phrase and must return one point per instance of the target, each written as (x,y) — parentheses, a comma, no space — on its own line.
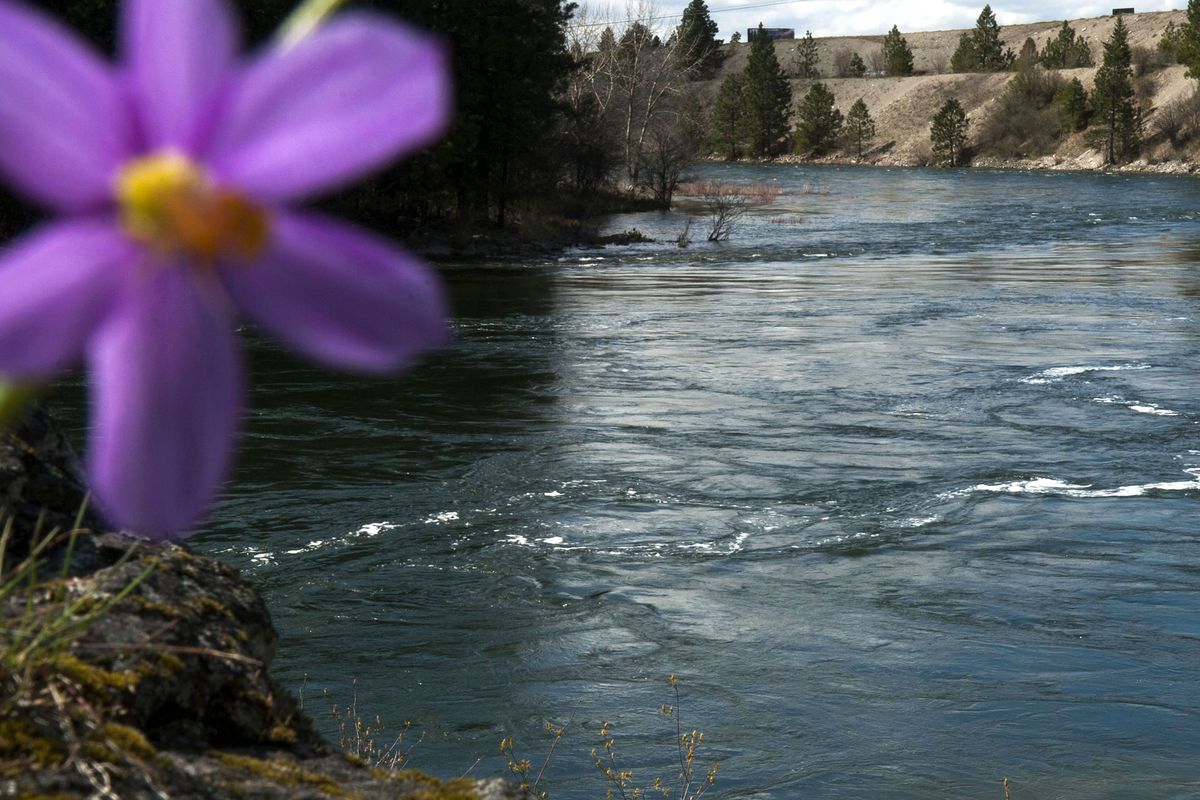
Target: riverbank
(138,670)
(902,108)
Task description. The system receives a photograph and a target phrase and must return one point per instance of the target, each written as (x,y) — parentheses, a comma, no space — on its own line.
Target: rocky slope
(903,107)
(130,670)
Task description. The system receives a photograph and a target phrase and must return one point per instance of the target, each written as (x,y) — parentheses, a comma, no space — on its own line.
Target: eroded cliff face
(137,670)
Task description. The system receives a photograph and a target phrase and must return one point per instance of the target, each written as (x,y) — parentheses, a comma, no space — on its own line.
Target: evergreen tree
(608,41)
(858,67)
(735,37)
(728,116)
(860,128)
(1189,40)
(768,95)
(981,50)
(897,57)
(1067,51)
(1072,104)
(1170,44)
(1119,129)
(696,41)
(805,57)
(818,123)
(948,133)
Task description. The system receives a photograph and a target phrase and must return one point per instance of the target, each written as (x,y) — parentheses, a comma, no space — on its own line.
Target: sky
(874,17)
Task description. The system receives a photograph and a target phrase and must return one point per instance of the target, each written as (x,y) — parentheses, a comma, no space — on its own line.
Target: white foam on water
(1051,486)
(1056,374)
(1137,405)
(437,519)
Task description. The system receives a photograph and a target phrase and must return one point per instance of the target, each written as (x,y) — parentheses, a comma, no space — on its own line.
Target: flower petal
(167,387)
(179,53)
(354,95)
(64,125)
(341,295)
(56,285)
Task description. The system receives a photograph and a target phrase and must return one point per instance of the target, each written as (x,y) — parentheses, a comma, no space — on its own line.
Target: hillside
(903,107)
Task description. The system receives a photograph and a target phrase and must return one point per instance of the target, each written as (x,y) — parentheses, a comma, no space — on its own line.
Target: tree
(1072,104)
(1189,45)
(1170,44)
(696,39)
(948,133)
(818,122)
(857,67)
(735,37)
(981,50)
(1119,132)
(1028,57)
(1066,50)
(768,95)
(728,116)
(805,58)
(897,56)
(860,128)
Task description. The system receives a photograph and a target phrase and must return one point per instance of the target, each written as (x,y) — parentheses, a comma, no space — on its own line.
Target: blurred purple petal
(178,53)
(341,295)
(167,387)
(63,122)
(56,284)
(356,94)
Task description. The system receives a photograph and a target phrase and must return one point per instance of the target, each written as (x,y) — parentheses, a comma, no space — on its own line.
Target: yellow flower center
(169,203)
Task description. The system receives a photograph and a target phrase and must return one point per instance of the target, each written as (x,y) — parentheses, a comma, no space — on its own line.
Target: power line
(711,11)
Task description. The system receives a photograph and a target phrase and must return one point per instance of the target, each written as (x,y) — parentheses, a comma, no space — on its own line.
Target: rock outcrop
(138,670)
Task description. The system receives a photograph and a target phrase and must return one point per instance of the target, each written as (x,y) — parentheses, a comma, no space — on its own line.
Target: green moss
(283,772)
(129,740)
(21,741)
(430,788)
(93,677)
(162,609)
(281,734)
(206,605)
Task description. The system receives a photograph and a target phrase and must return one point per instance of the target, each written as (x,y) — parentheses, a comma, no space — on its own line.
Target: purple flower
(172,173)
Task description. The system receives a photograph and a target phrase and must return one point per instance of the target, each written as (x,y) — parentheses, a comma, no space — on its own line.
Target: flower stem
(307,17)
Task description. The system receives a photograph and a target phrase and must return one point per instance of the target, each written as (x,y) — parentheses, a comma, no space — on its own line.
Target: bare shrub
(1148,59)
(728,202)
(1025,122)
(1178,122)
(842,62)
(876,61)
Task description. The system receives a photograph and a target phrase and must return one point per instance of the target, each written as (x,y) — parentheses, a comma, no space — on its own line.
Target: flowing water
(901,482)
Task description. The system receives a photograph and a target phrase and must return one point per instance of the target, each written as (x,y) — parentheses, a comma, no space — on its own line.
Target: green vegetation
(1066,50)
(1116,112)
(767,96)
(1071,101)
(1188,48)
(948,134)
(857,68)
(818,122)
(981,50)
(860,128)
(1025,120)
(728,114)
(805,57)
(897,56)
(697,49)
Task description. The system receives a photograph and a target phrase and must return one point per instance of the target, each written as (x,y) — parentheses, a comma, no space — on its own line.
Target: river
(901,482)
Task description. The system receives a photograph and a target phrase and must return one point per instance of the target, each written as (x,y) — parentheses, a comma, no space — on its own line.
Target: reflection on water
(905,492)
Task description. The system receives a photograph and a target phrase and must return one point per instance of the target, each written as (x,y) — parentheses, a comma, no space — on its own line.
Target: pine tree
(1119,131)
(981,50)
(948,133)
(860,128)
(858,67)
(806,57)
(696,41)
(768,95)
(897,56)
(1072,104)
(818,122)
(1067,51)
(1189,44)
(728,116)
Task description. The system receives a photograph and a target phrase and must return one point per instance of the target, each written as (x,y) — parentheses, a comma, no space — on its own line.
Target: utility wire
(711,11)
